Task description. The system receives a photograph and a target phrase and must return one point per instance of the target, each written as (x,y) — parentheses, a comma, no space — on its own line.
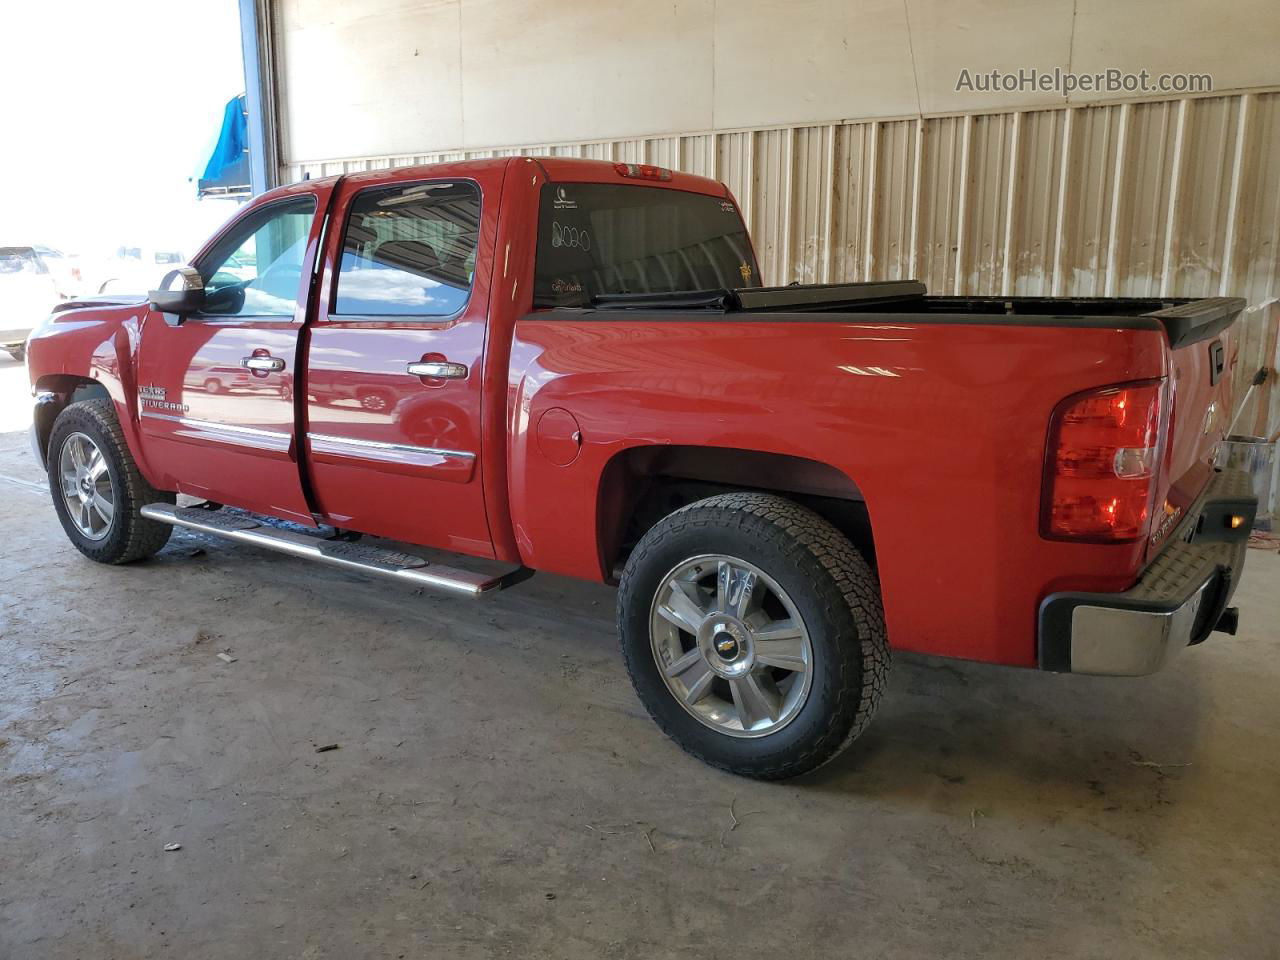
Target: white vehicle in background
(65,269)
(133,270)
(29,290)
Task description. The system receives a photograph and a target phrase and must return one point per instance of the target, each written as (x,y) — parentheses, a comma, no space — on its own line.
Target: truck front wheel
(97,489)
(753,633)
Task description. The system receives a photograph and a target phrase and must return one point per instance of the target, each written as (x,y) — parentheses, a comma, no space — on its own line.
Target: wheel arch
(54,393)
(642,484)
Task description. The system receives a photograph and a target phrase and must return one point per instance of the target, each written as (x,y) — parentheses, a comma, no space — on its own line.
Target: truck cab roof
(554,169)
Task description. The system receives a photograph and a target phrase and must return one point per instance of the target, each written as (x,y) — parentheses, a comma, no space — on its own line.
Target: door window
(256,270)
(409,251)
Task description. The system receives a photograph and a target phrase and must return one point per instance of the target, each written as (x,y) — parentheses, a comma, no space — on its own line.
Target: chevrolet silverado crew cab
(571,366)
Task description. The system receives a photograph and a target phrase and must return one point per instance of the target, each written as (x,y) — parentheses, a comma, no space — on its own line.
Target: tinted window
(601,238)
(409,251)
(256,270)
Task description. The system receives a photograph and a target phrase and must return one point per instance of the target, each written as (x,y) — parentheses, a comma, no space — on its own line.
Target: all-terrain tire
(832,587)
(129,535)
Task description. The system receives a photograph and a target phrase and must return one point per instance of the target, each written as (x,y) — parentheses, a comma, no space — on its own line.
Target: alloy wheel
(731,646)
(86,486)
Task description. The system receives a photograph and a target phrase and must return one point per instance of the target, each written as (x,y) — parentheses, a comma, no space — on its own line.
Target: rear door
(216,392)
(394,361)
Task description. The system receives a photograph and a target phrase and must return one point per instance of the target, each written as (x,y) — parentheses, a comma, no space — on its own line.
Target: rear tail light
(1102,464)
(642,171)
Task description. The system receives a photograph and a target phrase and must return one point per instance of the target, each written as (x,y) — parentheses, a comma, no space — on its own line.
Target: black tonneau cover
(1184,321)
(813,296)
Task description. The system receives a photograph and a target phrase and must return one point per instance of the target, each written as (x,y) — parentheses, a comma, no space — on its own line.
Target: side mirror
(181,292)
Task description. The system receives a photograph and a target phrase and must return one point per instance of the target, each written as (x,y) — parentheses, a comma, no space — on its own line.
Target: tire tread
(143,537)
(861,681)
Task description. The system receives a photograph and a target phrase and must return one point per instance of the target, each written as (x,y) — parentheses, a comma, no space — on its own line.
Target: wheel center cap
(726,645)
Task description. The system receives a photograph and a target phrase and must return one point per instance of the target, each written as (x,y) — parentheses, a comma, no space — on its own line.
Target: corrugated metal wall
(1162,198)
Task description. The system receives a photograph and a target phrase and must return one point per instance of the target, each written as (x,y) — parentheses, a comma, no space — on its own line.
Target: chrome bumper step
(363,558)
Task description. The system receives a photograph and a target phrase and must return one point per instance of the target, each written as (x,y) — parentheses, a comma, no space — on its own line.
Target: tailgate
(1202,343)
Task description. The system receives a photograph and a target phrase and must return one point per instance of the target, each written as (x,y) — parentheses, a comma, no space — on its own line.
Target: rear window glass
(409,251)
(602,238)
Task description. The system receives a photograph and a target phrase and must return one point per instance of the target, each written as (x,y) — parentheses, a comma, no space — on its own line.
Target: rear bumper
(1177,602)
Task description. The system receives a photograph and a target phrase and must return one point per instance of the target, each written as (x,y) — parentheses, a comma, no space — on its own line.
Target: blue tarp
(227,171)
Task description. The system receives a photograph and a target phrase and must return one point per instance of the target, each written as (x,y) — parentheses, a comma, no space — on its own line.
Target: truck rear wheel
(754,634)
(97,490)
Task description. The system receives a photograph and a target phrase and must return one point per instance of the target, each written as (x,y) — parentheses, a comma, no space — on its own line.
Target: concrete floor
(498,790)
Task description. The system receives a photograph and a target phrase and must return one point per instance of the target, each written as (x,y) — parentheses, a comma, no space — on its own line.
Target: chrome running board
(360,557)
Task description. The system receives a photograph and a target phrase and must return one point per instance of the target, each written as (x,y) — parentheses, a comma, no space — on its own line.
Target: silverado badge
(151,397)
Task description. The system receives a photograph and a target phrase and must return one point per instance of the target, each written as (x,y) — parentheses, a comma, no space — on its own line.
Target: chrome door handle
(438,370)
(262,363)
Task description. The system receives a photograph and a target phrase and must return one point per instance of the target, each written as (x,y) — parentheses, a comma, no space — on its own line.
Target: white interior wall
(838,127)
(383,77)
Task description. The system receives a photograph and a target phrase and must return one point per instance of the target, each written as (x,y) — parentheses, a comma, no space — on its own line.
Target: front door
(394,362)
(216,390)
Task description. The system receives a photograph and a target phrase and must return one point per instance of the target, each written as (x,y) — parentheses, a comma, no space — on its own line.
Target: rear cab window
(409,251)
(596,239)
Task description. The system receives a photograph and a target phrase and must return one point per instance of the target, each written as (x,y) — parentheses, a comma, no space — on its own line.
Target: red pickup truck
(571,366)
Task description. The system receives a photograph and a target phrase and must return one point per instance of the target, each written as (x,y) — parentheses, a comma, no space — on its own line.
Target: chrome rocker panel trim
(392,451)
(456,466)
(193,430)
